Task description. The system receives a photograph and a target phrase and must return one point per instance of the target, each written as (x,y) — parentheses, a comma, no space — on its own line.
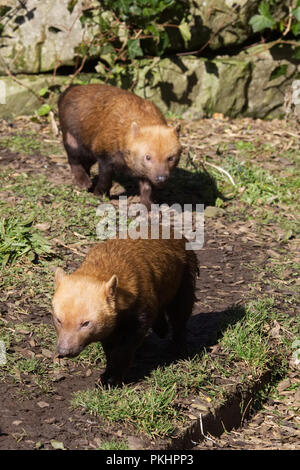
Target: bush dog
(122,289)
(120,131)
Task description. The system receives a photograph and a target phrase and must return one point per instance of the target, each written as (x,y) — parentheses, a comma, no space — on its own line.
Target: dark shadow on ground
(204,330)
(183,187)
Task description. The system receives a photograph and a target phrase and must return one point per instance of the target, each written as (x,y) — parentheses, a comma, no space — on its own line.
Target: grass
(18,239)
(153,409)
(149,410)
(246,340)
(28,144)
(272,195)
(113,445)
(42,212)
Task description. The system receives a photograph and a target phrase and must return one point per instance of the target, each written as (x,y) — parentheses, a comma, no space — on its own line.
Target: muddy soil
(28,423)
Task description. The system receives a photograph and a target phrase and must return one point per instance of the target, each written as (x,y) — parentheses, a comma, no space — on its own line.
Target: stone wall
(45,34)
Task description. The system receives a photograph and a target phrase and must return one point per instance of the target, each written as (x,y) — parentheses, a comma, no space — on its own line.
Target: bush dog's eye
(57,320)
(170,159)
(148,157)
(85,324)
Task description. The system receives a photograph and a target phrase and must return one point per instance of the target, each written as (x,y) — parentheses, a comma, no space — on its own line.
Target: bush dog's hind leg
(160,325)
(179,311)
(79,161)
(104,180)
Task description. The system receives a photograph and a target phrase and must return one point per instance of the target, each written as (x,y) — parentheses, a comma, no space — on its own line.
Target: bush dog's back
(119,130)
(123,288)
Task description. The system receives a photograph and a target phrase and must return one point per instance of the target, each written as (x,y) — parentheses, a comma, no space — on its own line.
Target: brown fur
(123,288)
(120,131)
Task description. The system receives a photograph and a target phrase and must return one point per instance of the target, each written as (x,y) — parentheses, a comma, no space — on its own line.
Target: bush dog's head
(84,311)
(153,151)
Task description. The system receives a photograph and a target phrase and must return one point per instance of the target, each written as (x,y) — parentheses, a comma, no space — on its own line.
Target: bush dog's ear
(111,286)
(135,129)
(59,275)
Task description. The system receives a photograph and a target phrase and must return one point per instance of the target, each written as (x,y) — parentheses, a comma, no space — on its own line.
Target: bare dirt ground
(32,418)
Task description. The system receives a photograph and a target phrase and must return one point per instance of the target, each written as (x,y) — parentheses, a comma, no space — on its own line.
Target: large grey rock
(17,100)
(196,87)
(243,85)
(266,94)
(224,23)
(40,36)
(189,86)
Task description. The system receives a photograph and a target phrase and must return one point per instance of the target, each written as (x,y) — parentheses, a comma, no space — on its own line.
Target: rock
(196,87)
(243,85)
(221,23)
(189,86)
(212,211)
(40,35)
(16,99)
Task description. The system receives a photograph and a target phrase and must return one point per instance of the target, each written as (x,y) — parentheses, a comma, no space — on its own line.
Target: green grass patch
(153,408)
(245,340)
(28,143)
(114,445)
(59,206)
(151,411)
(19,239)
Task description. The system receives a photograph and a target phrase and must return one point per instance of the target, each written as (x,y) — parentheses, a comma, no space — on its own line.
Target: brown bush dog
(122,289)
(120,131)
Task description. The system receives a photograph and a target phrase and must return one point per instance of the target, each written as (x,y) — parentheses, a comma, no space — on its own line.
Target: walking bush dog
(120,131)
(122,289)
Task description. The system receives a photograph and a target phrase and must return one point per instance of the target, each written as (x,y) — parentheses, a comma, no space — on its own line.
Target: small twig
(221,171)
(202,432)
(59,242)
(78,70)
(54,127)
(245,410)
(288,28)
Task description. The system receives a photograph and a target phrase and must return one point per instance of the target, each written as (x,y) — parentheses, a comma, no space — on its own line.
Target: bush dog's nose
(63,352)
(161,178)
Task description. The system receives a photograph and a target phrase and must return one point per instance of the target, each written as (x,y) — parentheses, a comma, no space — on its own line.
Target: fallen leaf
(43,404)
(17,422)
(283,385)
(58,445)
(44,226)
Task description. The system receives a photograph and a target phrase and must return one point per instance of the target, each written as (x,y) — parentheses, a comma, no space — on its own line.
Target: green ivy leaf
(71,5)
(185,32)
(296,29)
(134,48)
(265,11)
(278,72)
(260,22)
(264,20)
(296,13)
(44,110)
(43,91)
